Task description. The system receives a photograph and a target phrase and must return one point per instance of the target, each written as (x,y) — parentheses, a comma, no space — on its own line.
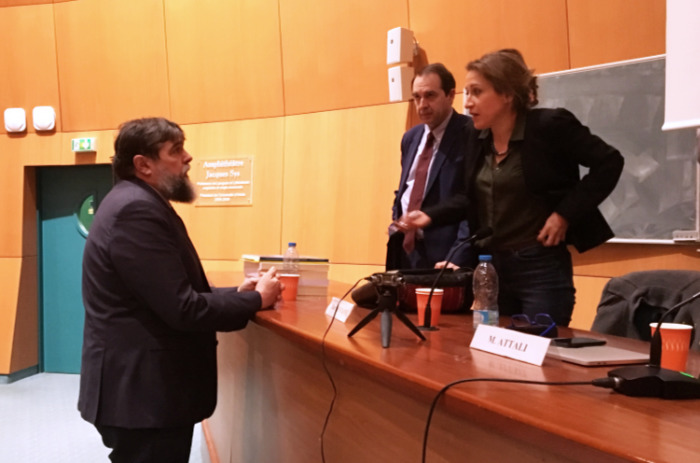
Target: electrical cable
(328,373)
(599,382)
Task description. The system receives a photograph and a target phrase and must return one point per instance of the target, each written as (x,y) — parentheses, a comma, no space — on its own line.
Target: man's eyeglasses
(542,325)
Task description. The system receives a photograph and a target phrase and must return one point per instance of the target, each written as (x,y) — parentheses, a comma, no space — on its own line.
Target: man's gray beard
(177,188)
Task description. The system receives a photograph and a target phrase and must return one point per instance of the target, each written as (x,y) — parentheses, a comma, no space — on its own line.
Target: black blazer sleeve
(157,264)
(568,144)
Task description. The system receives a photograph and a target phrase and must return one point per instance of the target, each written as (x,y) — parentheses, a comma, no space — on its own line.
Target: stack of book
(313,271)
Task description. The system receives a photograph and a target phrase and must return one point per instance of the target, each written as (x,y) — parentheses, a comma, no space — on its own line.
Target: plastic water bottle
(290,260)
(485,287)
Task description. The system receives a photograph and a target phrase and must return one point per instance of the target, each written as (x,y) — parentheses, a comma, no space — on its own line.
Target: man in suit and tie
(148,369)
(432,156)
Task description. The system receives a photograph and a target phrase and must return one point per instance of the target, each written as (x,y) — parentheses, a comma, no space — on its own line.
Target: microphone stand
(651,380)
(480,234)
(428,314)
(387,285)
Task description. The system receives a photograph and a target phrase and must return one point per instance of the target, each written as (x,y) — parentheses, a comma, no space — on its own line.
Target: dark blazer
(555,145)
(447,165)
(149,348)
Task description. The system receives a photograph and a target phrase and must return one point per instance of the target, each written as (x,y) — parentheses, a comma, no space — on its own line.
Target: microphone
(651,380)
(480,234)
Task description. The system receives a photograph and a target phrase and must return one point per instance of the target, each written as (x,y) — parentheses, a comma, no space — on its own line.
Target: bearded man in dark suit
(148,369)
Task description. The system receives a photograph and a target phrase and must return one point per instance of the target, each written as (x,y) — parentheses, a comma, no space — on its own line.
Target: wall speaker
(15,120)
(43,118)
(399,46)
(400,78)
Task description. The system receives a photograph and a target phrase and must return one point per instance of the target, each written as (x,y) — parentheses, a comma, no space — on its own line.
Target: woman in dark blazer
(524,182)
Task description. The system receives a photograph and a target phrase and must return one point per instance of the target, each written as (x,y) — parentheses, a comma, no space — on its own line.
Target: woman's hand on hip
(554,230)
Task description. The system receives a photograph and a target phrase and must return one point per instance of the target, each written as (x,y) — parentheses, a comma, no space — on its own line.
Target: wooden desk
(274,396)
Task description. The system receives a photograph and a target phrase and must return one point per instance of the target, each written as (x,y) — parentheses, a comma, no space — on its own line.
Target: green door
(68,198)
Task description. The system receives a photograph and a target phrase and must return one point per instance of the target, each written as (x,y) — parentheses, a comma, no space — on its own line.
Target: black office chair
(630,302)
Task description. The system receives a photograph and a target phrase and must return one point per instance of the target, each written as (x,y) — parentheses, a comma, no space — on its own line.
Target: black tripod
(388,297)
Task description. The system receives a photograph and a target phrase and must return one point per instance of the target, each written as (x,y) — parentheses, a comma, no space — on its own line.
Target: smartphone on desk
(577,342)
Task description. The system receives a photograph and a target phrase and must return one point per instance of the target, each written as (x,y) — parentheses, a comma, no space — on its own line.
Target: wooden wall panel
(615,259)
(18,210)
(29,216)
(8,303)
(9,282)
(340,171)
(227,232)
(18,315)
(334,52)
(588,291)
(455,32)
(224,60)
(28,51)
(223,273)
(25,344)
(6,3)
(349,274)
(111,62)
(31,149)
(615,30)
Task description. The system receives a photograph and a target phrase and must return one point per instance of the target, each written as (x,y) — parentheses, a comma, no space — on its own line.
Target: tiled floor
(39,422)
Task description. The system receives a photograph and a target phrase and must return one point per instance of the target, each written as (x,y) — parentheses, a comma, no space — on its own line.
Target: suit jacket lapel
(435,167)
(441,155)
(179,226)
(185,239)
(408,160)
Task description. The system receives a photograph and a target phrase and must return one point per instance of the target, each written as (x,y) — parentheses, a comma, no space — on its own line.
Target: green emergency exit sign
(84,144)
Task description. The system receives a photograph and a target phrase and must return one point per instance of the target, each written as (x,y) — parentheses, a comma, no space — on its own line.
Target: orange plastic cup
(675,343)
(291,285)
(422,295)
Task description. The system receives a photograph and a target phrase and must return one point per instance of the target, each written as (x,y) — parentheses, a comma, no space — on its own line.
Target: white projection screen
(682,109)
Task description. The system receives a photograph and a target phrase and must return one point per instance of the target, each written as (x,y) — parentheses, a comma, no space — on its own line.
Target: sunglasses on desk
(542,325)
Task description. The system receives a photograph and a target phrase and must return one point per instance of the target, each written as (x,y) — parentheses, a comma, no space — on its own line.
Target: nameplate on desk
(510,343)
(344,309)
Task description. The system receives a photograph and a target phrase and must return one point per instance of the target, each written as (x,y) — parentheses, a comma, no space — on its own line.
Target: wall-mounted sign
(225,182)
(81,145)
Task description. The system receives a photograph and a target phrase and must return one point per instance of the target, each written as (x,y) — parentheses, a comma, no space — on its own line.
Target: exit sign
(84,144)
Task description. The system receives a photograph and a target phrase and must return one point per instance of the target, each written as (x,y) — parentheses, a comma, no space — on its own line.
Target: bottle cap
(484,257)
(292,243)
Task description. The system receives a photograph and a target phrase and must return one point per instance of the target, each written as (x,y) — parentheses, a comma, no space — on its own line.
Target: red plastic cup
(675,343)
(422,295)
(291,285)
